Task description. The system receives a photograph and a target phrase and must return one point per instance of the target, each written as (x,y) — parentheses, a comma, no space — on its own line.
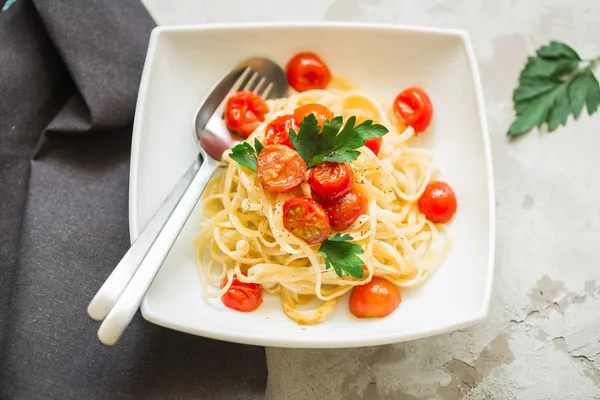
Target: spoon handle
(126,305)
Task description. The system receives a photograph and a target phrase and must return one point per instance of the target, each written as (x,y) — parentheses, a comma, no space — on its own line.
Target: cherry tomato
(244,112)
(374,144)
(242,296)
(344,211)
(279,168)
(277,130)
(413,108)
(330,180)
(307,71)
(320,112)
(377,299)
(306,219)
(438,202)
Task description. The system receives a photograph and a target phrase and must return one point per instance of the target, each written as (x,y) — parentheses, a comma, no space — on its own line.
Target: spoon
(120,296)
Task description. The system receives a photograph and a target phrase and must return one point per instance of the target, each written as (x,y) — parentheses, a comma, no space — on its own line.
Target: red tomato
(344,211)
(244,112)
(413,108)
(438,202)
(320,112)
(331,180)
(374,144)
(306,219)
(277,130)
(377,299)
(242,296)
(279,168)
(307,71)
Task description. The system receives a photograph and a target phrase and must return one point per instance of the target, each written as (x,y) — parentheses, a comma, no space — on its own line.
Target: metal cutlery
(120,296)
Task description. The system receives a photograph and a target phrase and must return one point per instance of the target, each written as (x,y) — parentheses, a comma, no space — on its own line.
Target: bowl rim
(257,339)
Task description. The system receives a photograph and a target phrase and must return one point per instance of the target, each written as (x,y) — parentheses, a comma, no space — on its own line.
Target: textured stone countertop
(542,337)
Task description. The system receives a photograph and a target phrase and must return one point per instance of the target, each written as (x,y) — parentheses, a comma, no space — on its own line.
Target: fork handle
(126,305)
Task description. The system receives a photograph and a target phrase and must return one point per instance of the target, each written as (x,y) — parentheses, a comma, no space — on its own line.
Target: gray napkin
(69,75)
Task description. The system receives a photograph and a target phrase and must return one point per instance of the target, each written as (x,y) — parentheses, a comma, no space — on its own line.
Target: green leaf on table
(578,93)
(553,85)
(593,94)
(558,50)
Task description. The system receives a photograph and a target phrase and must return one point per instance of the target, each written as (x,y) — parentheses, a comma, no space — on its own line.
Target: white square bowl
(184,62)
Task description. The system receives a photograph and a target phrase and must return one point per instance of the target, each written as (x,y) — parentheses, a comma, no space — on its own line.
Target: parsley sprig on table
(342,255)
(554,84)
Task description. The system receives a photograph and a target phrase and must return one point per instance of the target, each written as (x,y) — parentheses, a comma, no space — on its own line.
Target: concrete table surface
(542,337)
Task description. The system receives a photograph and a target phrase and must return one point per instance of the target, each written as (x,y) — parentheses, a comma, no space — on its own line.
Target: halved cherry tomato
(438,202)
(377,299)
(279,168)
(307,71)
(244,112)
(374,144)
(306,219)
(242,296)
(277,130)
(413,108)
(320,112)
(344,211)
(330,180)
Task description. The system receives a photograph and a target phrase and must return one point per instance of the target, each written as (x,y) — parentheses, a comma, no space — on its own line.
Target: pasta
(243,234)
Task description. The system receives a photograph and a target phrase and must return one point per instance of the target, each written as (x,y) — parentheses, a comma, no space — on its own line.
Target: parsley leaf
(305,142)
(245,155)
(314,147)
(557,50)
(342,256)
(340,146)
(593,94)
(258,146)
(553,85)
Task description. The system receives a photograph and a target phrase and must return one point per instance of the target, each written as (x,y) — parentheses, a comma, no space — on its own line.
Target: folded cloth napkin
(69,75)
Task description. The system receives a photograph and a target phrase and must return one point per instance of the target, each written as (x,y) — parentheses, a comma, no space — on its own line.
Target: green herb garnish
(246,155)
(342,255)
(258,146)
(316,146)
(553,85)
(307,139)
(332,144)
(340,146)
